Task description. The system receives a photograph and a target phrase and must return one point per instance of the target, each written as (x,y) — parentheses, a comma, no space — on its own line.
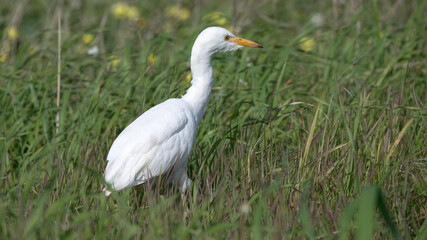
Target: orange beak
(244,42)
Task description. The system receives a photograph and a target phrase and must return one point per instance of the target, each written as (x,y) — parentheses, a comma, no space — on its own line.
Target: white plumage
(161,139)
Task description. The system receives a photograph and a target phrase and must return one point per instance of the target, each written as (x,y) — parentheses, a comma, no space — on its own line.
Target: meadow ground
(321,134)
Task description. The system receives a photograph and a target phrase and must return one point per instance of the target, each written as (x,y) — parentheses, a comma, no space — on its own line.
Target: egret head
(217,39)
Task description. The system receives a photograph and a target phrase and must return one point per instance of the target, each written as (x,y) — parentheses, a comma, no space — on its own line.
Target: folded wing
(151,144)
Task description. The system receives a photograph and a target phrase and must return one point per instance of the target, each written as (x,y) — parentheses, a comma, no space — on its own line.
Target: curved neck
(201,84)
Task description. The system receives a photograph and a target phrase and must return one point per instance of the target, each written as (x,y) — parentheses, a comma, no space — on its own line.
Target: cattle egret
(160,140)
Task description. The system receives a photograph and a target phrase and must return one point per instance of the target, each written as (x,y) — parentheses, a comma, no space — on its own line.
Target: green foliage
(329,143)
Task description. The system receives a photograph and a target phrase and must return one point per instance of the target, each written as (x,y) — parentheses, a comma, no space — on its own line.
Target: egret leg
(106,192)
(184,184)
(186,211)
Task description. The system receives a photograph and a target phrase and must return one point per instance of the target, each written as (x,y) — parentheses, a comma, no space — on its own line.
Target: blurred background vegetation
(321,134)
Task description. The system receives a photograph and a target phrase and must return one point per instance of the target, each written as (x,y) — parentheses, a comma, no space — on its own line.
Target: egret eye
(226,38)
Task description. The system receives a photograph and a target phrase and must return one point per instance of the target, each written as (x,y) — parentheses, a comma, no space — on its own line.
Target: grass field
(319,135)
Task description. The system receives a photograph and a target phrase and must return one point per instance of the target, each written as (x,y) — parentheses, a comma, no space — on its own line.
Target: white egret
(160,140)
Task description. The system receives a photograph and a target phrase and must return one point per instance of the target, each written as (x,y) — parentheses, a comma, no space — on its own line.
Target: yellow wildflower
(119,9)
(221,21)
(188,78)
(307,44)
(217,18)
(152,59)
(12,33)
(114,61)
(132,13)
(88,38)
(122,10)
(179,13)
